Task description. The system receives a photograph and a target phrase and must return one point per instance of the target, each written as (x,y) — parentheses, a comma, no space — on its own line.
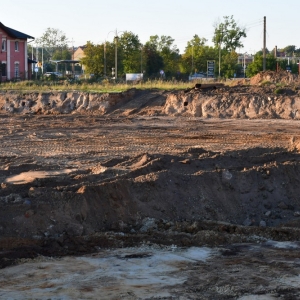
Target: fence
(11,76)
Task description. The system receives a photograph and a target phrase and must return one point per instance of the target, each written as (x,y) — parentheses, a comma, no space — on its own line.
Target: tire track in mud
(46,136)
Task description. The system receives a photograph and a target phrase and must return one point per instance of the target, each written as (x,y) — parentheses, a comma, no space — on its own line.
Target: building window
(17,70)
(16,46)
(3,69)
(3,45)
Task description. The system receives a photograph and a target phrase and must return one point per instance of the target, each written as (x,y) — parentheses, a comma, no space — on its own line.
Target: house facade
(14,60)
(78,55)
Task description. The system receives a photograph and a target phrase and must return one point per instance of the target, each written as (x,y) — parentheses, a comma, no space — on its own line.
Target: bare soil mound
(70,183)
(240,101)
(197,167)
(273,77)
(164,171)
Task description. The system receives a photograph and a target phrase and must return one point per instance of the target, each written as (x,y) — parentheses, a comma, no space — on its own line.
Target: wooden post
(264,47)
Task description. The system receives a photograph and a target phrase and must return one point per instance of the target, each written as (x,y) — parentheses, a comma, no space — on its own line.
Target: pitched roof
(14,33)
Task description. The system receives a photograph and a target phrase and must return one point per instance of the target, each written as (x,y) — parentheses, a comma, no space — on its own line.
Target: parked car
(197,76)
(55,74)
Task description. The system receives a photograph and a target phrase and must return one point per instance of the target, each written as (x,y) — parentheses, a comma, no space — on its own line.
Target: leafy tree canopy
(228,34)
(94,59)
(130,52)
(257,65)
(229,64)
(52,39)
(196,55)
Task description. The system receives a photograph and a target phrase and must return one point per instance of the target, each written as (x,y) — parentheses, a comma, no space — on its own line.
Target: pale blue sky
(93,20)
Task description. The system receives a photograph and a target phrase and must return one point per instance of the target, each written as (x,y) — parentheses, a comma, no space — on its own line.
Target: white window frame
(17,46)
(3,45)
(4,63)
(17,69)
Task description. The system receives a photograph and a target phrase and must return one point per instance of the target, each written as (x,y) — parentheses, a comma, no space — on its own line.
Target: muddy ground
(216,167)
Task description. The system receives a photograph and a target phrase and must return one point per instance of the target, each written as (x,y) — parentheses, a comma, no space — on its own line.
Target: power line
(254,23)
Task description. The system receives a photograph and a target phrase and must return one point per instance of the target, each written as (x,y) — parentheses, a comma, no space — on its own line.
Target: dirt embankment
(121,194)
(266,95)
(259,97)
(62,102)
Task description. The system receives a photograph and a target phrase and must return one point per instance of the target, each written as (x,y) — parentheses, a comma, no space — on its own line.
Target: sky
(98,20)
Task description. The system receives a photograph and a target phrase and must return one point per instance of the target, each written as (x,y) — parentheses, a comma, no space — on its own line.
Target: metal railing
(12,76)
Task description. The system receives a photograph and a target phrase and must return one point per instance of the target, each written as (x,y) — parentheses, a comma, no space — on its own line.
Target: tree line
(160,57)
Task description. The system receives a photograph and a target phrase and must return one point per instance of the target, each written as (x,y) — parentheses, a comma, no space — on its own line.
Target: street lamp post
(116,55)
(141,59)
(116,39)
(104,50)
(220,60)
(245,64)
(220,44)
(193,59)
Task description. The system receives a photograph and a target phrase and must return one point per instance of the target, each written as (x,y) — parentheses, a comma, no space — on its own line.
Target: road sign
(210,67)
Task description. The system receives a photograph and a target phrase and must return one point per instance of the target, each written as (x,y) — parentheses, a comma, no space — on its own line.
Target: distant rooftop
(15,33)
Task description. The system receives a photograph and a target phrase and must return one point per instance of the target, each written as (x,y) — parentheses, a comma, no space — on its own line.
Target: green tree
(228,34)
(196,55)
(94,59)
(229,64)
(257,65)
(62,54)
(108,58)
(290,50)
(170,54)
(130,53)
(153,60)
(165,53)
(52,40)
(191,59)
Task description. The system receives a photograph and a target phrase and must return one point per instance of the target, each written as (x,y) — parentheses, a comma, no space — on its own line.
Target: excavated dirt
(153,172)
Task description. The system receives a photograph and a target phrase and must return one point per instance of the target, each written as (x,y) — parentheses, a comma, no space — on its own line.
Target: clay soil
(182,168)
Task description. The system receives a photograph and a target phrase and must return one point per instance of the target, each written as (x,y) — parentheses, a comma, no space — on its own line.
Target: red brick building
(14,60)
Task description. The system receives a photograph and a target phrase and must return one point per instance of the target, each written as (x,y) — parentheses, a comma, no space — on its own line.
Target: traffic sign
(210,67)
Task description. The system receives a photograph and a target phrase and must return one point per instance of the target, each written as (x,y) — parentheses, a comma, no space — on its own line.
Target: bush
(279,91)
(266,82)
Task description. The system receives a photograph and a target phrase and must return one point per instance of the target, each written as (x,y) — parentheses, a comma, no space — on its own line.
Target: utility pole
(116,39)
(32,60)
(116,55)
(37,59)
(73,65)
(42,60)
(141,59)
(220,44)
(192,59)
(104,49)
(264,47)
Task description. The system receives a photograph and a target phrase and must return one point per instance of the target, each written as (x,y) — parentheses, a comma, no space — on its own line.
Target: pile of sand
(273,77)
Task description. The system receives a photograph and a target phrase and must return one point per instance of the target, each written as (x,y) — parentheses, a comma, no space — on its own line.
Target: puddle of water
(142,272)
(293,281)
(30,176)
(282,245)
(258,297)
